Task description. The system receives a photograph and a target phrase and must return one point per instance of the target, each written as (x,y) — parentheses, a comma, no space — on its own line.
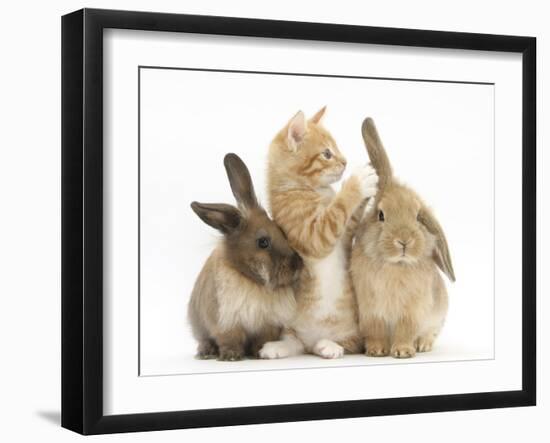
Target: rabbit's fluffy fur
(244,294)
(401,295)
(231,315)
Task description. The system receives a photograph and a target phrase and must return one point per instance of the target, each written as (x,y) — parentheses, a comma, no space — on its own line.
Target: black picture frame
(82,220)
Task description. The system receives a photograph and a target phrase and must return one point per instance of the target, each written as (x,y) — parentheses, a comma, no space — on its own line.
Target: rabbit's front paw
(207,350)
(424,344)
(376,349)
(403,351)
(367,180)
(231,354)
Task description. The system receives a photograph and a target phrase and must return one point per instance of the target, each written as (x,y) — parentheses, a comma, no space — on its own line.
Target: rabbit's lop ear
(240,181)
(441,255)
(224,218)
(377,153)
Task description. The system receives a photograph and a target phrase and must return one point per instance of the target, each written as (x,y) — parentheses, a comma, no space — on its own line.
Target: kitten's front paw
(328,349)
(370,205)
(274,349)
(367,179)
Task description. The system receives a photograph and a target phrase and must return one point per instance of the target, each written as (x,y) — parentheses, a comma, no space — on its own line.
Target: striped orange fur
(304,161)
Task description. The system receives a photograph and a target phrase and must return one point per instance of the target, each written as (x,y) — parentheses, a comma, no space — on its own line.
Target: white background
(30,174)
(439,137)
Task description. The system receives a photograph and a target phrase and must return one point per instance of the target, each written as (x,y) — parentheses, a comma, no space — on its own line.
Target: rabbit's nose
(402,243)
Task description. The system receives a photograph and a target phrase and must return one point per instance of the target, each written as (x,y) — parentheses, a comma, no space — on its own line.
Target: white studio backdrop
(30,173)
(440,139)
(181,138)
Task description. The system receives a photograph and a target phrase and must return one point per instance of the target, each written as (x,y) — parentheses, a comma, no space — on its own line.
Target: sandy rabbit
(399,247)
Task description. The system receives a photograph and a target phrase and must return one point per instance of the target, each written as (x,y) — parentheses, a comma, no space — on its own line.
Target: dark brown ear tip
(230,159)
(196,206)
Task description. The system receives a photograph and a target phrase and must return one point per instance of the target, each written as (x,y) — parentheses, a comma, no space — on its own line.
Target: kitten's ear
(296,130)
(317,117)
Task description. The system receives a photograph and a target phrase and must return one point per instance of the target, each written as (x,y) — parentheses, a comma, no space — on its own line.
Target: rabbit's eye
(264,242)
(327,153)
(381,216)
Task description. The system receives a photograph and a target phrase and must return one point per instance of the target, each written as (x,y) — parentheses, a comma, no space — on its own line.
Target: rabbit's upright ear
(441,255)
(240,181)
(377,153)
(225,218)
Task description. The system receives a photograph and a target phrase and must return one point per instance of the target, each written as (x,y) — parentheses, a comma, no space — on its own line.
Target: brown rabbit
(244,294)
(401,296)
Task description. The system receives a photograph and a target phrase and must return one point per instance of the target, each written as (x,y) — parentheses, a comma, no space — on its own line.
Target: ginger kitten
(304,161)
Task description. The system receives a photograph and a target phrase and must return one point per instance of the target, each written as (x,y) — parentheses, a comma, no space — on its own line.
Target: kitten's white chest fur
(329,272)
(330,275)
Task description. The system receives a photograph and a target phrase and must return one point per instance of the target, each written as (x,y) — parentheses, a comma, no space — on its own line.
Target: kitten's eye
(381,216)
(327,153)
(264,242)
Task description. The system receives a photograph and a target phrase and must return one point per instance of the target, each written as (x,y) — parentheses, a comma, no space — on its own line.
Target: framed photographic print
(269,221)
